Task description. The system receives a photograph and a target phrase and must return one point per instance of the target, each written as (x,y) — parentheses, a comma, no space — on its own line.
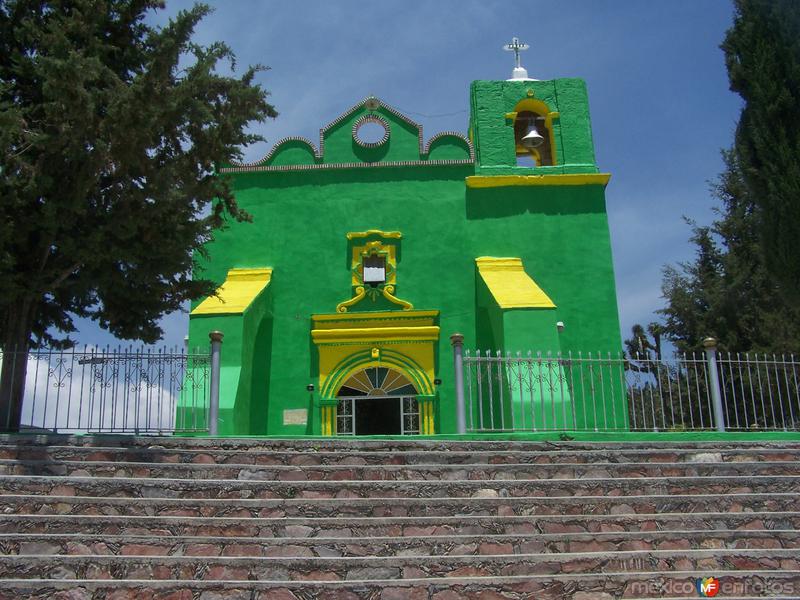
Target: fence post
(213,408)
(710,345)
(457,340)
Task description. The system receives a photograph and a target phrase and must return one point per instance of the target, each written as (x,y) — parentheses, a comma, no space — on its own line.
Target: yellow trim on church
(370,232)
(491,181)
(510,285)
(378,334)
(328,420)
(401,340)
(240,288)
(352,318)
(534,105)
(426,416)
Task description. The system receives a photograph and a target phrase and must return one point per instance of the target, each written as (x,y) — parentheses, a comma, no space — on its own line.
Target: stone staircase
(192,518)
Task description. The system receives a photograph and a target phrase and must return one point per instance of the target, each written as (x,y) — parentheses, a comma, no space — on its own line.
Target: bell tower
(523,123)
(544,275)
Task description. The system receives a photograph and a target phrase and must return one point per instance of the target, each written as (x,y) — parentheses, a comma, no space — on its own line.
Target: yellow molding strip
(384,234)
(490,181)
(370,316)
(240,288)
(376,334)
(510,285)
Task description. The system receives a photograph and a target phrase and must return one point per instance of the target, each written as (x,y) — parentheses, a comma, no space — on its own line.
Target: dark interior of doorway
(377,416)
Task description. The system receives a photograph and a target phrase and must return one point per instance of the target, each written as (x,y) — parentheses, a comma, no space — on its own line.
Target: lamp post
(710,345)
(457,340)
(213,408)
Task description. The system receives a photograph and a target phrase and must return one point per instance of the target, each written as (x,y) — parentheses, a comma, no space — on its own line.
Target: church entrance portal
(377,401)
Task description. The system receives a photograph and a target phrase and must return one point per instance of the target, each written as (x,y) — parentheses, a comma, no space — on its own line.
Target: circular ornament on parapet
(369,139)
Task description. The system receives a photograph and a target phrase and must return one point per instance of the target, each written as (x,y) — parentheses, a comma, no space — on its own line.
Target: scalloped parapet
(340,145)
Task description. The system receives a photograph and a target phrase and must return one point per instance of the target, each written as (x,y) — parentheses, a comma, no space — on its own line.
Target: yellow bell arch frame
(538,107)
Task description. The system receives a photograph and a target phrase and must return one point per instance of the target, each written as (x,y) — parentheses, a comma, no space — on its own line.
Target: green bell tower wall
(566,100)
(452,198)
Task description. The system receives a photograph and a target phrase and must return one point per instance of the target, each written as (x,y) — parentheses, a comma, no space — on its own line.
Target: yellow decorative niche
(510,285)
(380,246)
(240,288)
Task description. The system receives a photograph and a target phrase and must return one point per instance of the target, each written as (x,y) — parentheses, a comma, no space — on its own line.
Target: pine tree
(762,52)
(743,286)
(110,131)
(726,292)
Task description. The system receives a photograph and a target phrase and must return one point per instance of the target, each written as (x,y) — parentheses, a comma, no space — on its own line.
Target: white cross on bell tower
(519,73)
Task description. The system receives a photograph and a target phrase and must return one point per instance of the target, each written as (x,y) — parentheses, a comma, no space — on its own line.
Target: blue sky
(658,90)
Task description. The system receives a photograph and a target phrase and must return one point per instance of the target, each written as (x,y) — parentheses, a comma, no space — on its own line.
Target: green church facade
(364,256)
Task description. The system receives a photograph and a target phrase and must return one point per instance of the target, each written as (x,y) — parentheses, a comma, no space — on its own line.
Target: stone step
(678,585)
(348,527)
(716,560)
(433,545)
(234,488)
(397,507)
(384,519)
(348,455)
(445,472)
(351,444)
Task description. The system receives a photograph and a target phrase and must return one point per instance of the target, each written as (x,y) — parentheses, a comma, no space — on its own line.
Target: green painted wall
(301,216)
(245,363)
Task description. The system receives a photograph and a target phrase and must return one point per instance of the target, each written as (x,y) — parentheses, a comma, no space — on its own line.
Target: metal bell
(532,138)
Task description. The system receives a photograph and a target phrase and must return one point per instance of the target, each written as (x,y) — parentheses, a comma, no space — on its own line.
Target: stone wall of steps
(184,519)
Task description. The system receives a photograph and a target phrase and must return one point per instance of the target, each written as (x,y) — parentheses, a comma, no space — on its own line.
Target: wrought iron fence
(115,391)
(605,392)
(760,391)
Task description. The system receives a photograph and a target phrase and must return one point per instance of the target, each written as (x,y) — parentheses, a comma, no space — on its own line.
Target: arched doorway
(377,401)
